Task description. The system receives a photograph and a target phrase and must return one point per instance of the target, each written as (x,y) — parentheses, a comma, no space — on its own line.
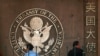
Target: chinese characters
(90,27)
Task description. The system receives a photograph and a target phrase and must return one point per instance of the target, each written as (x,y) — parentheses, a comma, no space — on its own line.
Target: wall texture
(69,12)
(98,27)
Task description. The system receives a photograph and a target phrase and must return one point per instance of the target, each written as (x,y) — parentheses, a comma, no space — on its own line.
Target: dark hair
(75,43)
(29,46)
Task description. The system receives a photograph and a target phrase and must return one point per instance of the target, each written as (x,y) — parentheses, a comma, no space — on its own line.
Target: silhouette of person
(30,51)
(76,51)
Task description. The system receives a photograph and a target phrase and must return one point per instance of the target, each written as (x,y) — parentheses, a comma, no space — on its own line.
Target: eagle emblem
(36,33)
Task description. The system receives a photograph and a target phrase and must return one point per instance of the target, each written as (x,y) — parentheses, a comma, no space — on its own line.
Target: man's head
(76,44)
(29,47)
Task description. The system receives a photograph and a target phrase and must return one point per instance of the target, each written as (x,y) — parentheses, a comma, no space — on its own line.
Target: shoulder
(79,50)
(70,52)
(33,53)
(26,54)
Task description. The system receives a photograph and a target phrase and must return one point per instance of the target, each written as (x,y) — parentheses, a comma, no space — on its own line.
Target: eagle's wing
(21,43)
(51,41)
(26,34)
(46,33)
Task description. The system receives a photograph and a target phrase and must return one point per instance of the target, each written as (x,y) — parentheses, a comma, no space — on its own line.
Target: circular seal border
(36,11)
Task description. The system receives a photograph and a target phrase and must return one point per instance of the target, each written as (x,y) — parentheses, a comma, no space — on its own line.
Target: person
(30,51)
(76,51)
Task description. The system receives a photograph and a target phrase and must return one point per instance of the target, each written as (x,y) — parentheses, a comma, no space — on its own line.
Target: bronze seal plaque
(39,27)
